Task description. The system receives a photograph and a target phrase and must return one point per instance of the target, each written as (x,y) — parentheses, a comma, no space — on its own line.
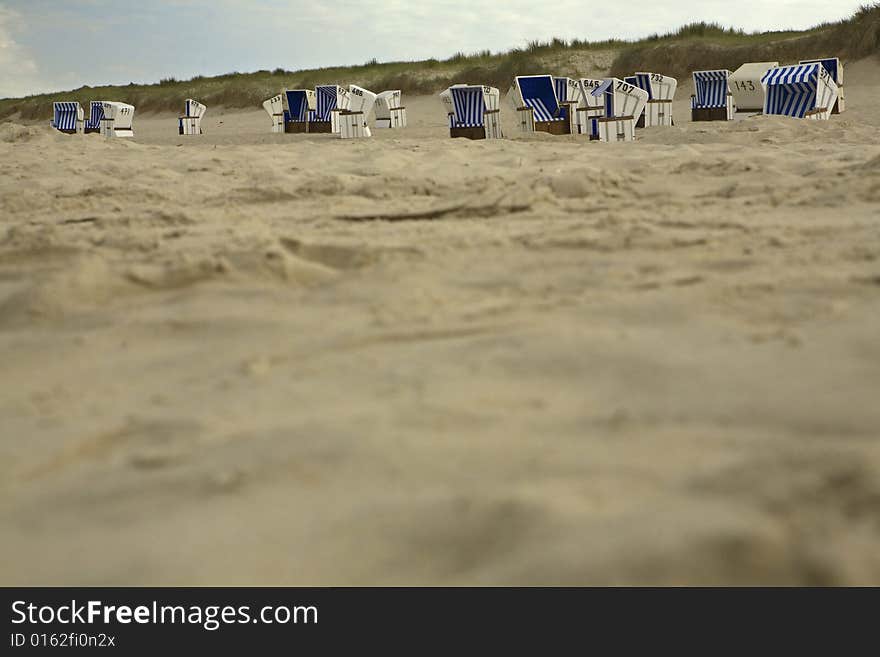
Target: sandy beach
(247,358)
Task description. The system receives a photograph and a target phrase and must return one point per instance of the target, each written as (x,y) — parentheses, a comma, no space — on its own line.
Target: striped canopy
(298,105)
(96,113)
(66,115)
(539,93)
(469,106)
(791,90)
(710,88)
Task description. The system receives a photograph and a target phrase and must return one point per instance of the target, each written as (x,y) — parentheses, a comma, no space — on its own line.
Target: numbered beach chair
(68,117)
(390,112)
(301,104)
(661,92)
(274,107)
(354,122)
(623,103)
(803,91)
(191,122)
(590,106)
(96,113)
(569,96)
(539,109)
(331,100)
(712,99)
(117,120)
(475,112)
(748,89)
(834,67)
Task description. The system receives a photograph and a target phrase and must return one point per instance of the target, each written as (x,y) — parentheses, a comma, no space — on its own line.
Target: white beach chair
(331,100)
(274,107)
(747,88)
(590,106)
(661,92)
(354,122)
(835,67)
(68,117)
(569,95)
(803,91)
(623,103)
(475,111)
(539,109)
(390,112)
(191,122)
(712,99)
(301,105)
(96,113)
(117,120)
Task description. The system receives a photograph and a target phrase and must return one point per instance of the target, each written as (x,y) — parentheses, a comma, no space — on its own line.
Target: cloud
(48,44)
(19,73)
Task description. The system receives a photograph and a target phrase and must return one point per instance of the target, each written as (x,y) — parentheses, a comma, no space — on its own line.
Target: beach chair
(475,111)
(539,109)
(390,112)
(569,95)
(623,103)
(300,105)
(590,106)
(117,120)
(354,122)
(68,117)
(712,99)
(747,89)
(96,113)
(661,92)
(274,107)
(331,100)
(835,67)
(191,122)
(803,91)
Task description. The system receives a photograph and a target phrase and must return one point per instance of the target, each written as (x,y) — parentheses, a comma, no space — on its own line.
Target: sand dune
(250,358)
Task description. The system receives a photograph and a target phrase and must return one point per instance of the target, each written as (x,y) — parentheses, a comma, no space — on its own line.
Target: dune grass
(691,47)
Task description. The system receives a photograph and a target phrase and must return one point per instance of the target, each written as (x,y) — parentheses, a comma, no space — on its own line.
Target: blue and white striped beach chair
(712,99)
(835,68)
(96,113)
(803,91)
(390,112)
(68,117)
(475,113)
(300,105)
(331,100)
(539,108)
(623,103)
(191,122)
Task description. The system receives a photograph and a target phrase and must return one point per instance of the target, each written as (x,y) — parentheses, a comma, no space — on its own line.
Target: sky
(53,45)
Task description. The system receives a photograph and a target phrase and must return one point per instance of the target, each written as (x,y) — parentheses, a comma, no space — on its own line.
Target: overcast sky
(50,45)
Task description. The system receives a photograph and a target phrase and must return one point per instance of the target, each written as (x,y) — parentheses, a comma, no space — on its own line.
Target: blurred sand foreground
(270,359)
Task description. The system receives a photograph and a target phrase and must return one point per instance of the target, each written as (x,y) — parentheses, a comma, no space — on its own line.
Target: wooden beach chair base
(477,132)
(296,127)
(553,127)
(709,114)
(321,127)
